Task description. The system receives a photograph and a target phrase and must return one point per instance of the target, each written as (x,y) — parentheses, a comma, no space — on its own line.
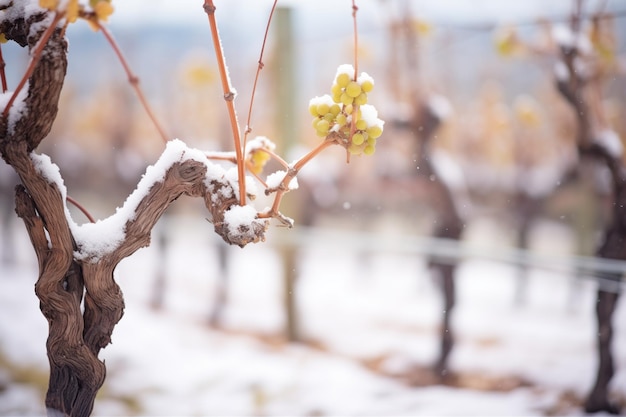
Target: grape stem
(283,187)
(355,108)
(229,97)
(356,40)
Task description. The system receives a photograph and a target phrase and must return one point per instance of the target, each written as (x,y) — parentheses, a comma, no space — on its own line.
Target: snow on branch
(610,141)
(179,170)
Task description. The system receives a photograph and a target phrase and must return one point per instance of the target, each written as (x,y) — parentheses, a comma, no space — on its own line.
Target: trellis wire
(608,273)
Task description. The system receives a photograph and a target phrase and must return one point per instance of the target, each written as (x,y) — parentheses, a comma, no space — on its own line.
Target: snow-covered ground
(371,318)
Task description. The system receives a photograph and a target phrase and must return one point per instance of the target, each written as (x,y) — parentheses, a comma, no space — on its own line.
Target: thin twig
(2,73)
(355,107)
(256,78)
(257,176)
(356,39)
(229,97)
(222,156)
(292,172)
(81,208)
(276,157)
(36,55)
(132,79)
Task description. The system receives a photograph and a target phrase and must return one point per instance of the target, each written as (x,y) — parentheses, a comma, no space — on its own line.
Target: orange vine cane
(3,75)
(355,108)
(36,55)
(256,78)
(132,79)
(229,97)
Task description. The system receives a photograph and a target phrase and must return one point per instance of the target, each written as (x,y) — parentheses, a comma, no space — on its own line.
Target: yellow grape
(337,98)
(341,119)
(367,86)
(346,99)
(348,109)
(336,89)
(322,125)
(357,139)
(369,150)
(329,117)
(361,124)
(322,109)
(374,131)
(354,149)
(361,99)
(353,89)
(335,109)
(343,79)
(313,110)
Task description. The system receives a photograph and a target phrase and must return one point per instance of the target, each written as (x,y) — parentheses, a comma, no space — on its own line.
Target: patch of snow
(50,171)
(97,239)
(440,106)
(357,304)
(565,38)
(104,236)
(232,176)
(540,180)
(260,142)
(345,69)
(611,142)
(448,170)
(561,72)
(365,77)
(18,107)
(325,99)
(370,115)
(274,179)
(239,218)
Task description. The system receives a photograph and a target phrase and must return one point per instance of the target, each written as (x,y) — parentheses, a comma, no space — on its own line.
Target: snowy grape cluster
(347,113)
(258,153)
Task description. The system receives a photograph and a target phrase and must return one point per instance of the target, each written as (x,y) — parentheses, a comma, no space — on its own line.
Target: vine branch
(229,97)
(256,78)
(3,75)
(35,56)
(132,79)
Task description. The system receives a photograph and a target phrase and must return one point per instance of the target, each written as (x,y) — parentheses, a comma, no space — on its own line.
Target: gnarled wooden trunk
(76,287)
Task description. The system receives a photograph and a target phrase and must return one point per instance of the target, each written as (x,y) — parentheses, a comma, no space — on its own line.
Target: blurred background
(448,274)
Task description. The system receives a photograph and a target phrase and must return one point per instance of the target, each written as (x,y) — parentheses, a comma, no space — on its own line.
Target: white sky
(441,10)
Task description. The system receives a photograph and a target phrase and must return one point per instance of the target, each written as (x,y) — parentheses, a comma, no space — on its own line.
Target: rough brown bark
(78,294)
(613,245)
(449,225)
